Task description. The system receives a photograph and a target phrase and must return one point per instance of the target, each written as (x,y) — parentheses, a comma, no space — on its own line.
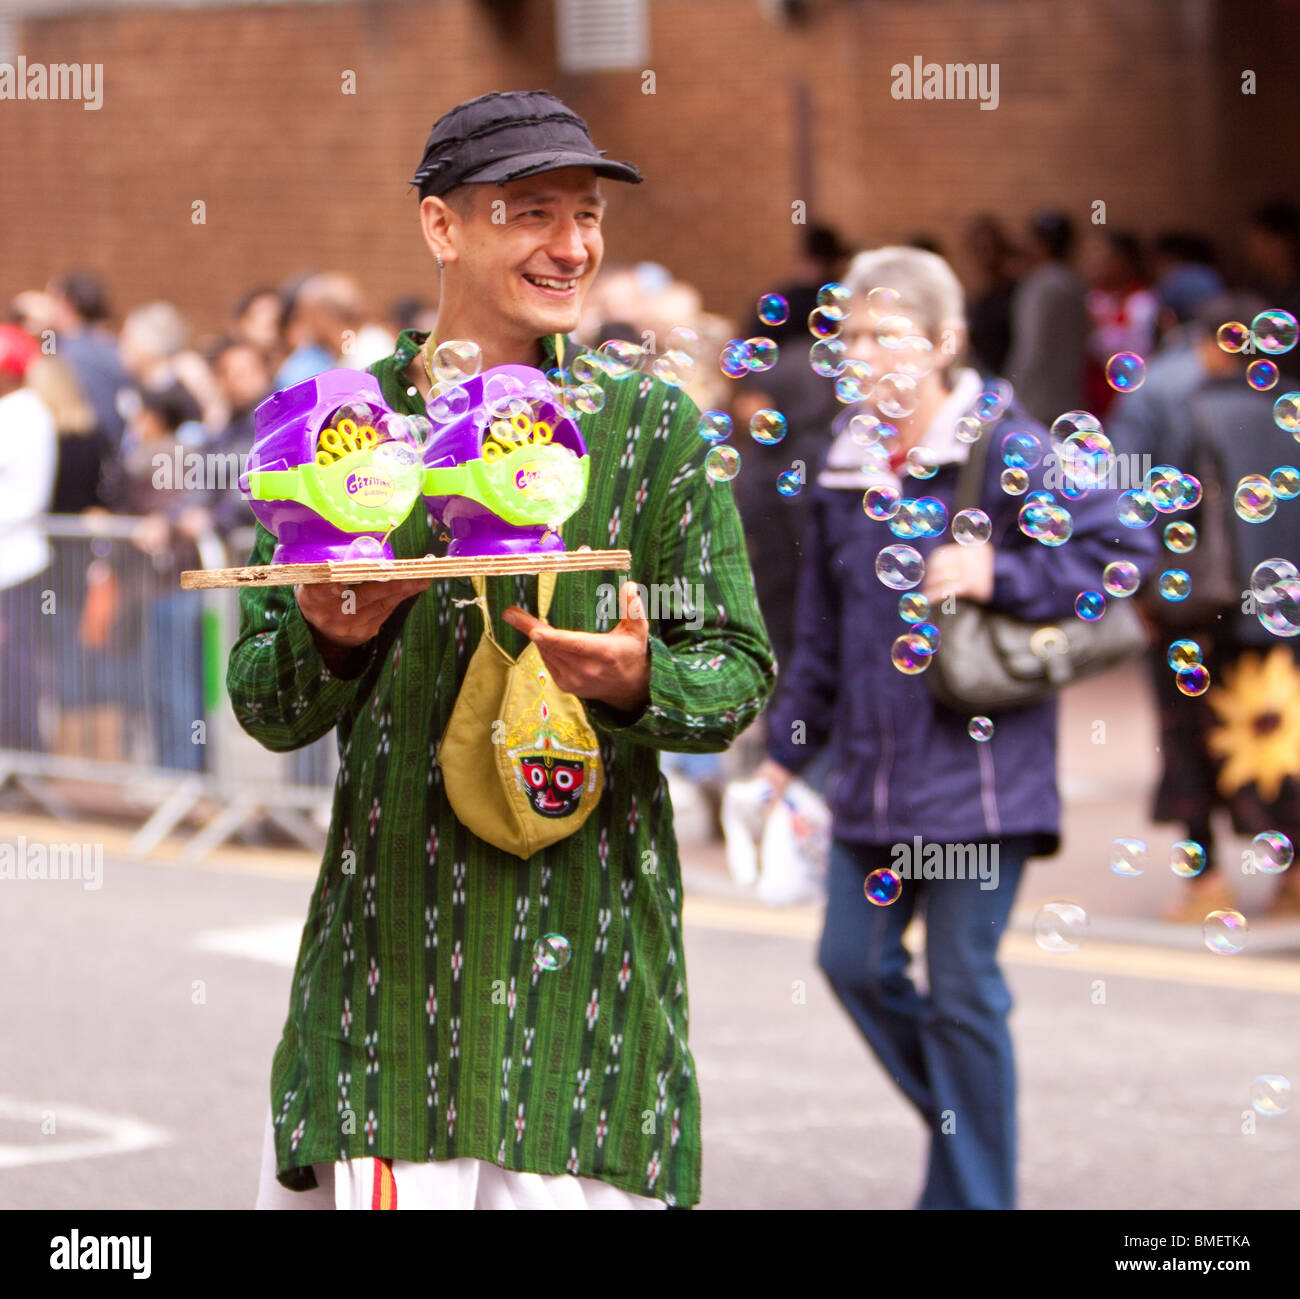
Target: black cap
(508,135)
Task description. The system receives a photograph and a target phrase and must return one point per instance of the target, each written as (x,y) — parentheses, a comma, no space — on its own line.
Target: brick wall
(1136,102)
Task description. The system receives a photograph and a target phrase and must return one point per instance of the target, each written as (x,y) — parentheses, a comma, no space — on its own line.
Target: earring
(439,258)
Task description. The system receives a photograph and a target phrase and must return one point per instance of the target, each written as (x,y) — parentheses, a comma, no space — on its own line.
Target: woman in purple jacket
(912,789)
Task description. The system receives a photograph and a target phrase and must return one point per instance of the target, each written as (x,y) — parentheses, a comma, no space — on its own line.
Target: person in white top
(28,448)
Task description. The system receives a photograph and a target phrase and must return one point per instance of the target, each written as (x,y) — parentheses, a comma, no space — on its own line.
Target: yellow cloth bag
(520,761)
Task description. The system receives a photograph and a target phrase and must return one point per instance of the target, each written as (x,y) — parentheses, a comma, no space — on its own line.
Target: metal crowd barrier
(113,676)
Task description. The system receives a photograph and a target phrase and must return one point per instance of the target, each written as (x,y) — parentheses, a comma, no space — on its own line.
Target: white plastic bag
(782,854)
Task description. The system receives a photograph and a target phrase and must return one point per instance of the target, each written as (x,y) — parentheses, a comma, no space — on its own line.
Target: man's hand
(348,616)
(612,667)
(959,571)
(776,775)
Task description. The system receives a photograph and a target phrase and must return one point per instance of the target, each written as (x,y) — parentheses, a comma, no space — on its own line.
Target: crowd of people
(90,407)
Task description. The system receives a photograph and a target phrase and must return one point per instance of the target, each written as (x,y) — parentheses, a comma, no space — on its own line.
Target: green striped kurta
(418,1026)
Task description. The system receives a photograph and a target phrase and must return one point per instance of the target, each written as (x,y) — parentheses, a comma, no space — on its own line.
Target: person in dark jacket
(909,780)
(1235,748)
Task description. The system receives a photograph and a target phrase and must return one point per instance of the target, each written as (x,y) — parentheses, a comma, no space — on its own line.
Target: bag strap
(970,482)
(545,590)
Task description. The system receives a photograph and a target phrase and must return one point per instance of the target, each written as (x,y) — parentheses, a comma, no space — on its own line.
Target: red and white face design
(554,785)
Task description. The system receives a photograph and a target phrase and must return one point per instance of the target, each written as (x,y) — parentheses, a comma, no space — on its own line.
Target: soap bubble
(911,654)
(1087,459)
(827,357)
(552,952)
(823,325)
(1274,332)
(1075,421)
(1053,525)
(1286,412)
(1187,859)
(789,483)
(916,357)
(1089,605)
(1015,482)
(913,607)
(896,395)
(722,464)
(683,338)
(1189,491)
(1255,501)
(1180,537)
(762,353)
(676,367)
(457,360)
(1135,509)
(1120,578)
(1270,1095)
(1163,485)
(589,398)
(1262,375)
(980,728)
(1022,450)
(883,887)
(1128,857)
(1232,335)
(773,309)
(715,425)
(864,429)
(1286,482)
(1126,371)
(834,299)
(1060,927)
(734,358)
(1174,585)
(992,403)
(1193,681)
(1225,932)
(892,330)
(928,634)
(1183,654)
(587,367)
(620,357)
(767,427)
(853,382)
(971,527)
(881,501)
(882,302)
(447,404)
(968,429)
(900,567)
(1272,852)
(1267,574)
(921,462)
(1280,614)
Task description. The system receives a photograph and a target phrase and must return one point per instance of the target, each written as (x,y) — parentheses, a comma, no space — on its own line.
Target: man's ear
(437,220)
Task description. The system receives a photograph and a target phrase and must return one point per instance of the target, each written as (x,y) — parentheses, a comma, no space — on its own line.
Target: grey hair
(930,294)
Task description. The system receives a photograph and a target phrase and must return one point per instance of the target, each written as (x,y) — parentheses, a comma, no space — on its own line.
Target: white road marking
(275,943)
(115,1134)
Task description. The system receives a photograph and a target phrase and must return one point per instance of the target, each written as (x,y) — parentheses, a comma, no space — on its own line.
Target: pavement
(141,1017)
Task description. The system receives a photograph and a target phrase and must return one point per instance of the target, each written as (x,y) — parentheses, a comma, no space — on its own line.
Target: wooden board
(377,570)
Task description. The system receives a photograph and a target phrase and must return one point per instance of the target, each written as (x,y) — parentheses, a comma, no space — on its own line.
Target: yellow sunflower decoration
(1258,736)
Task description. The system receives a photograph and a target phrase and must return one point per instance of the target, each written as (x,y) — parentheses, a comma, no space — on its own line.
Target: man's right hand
(347,616)
(776,775)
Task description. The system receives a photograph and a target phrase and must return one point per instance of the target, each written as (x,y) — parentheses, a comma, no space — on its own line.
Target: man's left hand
(612,667)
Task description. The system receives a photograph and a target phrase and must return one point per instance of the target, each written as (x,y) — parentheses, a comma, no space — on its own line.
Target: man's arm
(290,679)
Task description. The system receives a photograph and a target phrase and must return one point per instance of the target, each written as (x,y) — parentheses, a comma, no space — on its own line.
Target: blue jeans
(950,1050)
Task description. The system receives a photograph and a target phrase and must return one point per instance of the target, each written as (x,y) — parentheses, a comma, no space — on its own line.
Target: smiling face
(521,255)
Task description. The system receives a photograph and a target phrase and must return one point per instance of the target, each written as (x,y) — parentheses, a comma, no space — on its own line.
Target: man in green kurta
(419,1026)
